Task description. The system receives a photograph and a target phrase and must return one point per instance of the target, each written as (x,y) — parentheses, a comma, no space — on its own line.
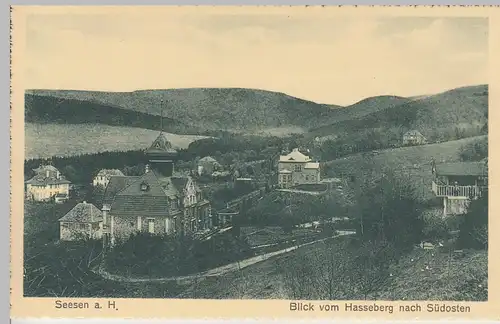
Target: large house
(102,177)
(156,202)
(47,184)
(297,168)
(84,221)
(413,137)
(459,183)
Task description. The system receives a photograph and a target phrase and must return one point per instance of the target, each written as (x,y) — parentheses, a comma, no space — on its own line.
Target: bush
(475,151)
(474,229)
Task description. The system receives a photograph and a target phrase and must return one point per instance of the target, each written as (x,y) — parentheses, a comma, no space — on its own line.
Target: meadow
(46,140)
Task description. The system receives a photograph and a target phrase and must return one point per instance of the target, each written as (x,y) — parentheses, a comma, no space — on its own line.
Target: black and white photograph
(263,155)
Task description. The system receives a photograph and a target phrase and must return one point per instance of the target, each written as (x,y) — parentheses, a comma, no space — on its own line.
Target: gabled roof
(109,173)
(413,133)
(42,180)
(462,169)
(161,145)
(295,156)
(43,168)
(83,213)
(180,182)
(208,159)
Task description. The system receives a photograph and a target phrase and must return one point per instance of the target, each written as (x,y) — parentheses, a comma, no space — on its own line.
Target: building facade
(47,183)
(103,176)
(413,137)
(84,221)
(297,168)
(156,202)
(459,183)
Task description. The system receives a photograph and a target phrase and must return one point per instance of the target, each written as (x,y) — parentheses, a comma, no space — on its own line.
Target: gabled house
(297,168)
(458,183)
(84,221)
(103,176)
(156,202)
(47,183)
(208,165)
(413,137)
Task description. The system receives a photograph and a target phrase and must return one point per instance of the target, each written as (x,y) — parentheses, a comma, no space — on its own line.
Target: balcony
(457,191)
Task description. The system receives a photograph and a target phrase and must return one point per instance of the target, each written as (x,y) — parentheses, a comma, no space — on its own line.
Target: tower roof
(161,146)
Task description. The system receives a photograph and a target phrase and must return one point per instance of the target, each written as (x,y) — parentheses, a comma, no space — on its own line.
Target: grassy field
(46,140)
(407,162)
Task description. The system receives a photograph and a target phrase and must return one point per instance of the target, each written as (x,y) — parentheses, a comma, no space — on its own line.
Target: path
(219,270)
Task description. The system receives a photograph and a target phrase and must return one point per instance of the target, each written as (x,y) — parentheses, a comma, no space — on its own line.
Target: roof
(295,156)
(208,159)
(43,168)
(161,146)
(462,169)
(312,165)
(147,195)
(116,184)
(413,133)
(83,213)
(109,173)
(42,180)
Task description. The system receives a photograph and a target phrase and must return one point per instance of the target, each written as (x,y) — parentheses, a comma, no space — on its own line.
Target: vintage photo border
(182,308)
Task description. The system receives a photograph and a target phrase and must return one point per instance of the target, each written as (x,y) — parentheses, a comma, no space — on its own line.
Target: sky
(335,60)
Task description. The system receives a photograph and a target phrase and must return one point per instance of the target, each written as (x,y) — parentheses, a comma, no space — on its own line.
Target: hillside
(46,140)
(438,117)
(43,109)
(412,162)
(208,108)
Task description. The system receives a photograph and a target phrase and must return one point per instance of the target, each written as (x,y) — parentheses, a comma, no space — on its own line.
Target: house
(208,165)
(102,177)
(156,202)
(84,221)
(459,183)
(297,168)
(46,184)
(413,137)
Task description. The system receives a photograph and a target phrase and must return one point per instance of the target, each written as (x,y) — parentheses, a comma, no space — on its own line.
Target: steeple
(161,156)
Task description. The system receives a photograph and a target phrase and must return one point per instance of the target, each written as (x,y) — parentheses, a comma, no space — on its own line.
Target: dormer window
(144,186)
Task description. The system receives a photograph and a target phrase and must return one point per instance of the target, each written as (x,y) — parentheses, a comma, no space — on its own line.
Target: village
(172,206)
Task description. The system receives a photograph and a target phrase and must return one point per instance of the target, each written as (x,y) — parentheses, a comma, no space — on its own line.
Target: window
(139,223)
(297,168)
(151,225)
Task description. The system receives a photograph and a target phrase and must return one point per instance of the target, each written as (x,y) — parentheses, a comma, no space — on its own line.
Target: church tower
(161,156)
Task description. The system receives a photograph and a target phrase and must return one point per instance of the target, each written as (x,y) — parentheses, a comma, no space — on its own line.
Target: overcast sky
(323,59)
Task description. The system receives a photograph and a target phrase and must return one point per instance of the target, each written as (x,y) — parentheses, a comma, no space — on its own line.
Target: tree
(474,229)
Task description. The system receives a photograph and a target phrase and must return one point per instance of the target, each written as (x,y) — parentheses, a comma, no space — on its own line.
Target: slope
(438,117)
(211,108)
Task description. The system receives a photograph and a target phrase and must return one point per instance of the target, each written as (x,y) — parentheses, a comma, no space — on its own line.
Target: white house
(297,168)
(102,178)
(46,184)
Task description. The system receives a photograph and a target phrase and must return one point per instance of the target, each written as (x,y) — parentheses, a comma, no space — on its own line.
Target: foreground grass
(420,275)
(46,140)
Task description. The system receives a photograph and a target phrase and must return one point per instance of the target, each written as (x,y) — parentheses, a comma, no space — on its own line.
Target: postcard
(290,162)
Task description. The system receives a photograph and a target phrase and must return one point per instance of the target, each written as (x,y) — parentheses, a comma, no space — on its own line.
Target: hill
(53,110)
(449,115)
(408,163)
(46,140)
(207,108)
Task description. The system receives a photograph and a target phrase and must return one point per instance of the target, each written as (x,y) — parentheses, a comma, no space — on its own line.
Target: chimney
(84,202)
(47,173)
(58,175)
(146,168)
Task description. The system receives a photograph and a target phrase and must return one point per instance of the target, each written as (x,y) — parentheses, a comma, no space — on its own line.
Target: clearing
(46,140)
